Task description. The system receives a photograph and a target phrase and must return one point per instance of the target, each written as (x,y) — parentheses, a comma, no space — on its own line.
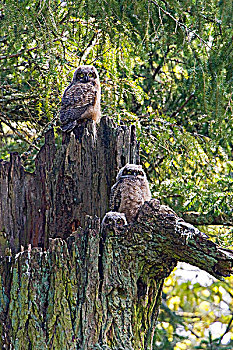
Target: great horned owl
(113,220)
(130,191)
(81,99)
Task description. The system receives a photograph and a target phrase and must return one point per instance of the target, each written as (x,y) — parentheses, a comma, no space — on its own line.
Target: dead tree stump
(68,184)
(61,287)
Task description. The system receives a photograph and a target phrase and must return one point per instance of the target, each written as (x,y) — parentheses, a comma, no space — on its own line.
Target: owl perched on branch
(130,191)
(81,99)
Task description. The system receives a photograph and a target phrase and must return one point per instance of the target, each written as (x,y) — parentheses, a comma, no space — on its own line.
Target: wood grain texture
(76,296)
(68,184)
(72,286)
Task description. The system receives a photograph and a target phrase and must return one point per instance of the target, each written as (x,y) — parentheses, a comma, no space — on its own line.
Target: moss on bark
(61,286)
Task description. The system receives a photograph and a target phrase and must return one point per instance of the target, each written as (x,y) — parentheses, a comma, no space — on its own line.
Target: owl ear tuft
(75,76)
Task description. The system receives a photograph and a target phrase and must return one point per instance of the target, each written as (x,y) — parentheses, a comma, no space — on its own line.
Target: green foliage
(195,315)
(190,172)
(164,65)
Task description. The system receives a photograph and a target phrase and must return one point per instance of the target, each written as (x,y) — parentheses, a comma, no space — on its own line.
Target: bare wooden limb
(180,23)
(182,106)
(18,54)
(196,218)
(183,242)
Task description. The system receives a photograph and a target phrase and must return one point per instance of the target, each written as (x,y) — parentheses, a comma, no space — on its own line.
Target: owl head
(85,74)
(114,220)
(131,170)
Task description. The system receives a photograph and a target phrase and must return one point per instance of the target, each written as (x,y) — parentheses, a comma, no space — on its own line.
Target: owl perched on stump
(81,99)
(130,191)
(113,221)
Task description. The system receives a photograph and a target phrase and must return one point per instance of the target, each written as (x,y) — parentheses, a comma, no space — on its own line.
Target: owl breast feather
(76,100)
(79,95)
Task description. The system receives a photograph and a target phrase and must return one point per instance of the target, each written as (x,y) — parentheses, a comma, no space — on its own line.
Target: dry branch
(182,241)
(197,218)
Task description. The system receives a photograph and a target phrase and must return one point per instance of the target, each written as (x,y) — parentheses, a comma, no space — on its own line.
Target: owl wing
(76,100)
(115,197)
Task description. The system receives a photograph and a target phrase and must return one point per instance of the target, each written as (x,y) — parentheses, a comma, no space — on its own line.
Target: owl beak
(86,78)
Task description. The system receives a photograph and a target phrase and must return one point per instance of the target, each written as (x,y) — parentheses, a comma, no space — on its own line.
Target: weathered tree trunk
(68,184)
(69,288)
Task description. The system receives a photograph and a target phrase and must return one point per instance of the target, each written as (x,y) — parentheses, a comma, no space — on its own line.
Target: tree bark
(68,184)
(73,286)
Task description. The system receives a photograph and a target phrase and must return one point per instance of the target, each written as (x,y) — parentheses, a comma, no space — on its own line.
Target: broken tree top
(74,181)
(65,283)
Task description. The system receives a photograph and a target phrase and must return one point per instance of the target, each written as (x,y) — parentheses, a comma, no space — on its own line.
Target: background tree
(164,66)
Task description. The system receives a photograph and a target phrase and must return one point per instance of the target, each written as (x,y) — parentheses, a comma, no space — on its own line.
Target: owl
(81,99)
(130,191)
(113,221)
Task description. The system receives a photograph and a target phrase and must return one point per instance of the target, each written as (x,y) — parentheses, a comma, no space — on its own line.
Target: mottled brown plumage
(130,191)
(81,99)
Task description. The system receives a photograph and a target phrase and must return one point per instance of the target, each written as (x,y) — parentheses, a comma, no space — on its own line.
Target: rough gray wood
(68,184)
(73,287)
(78,296)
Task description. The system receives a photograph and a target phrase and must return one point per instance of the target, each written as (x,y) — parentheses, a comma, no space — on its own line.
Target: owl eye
(118,221)
(91,75)
(128,172)
(81,75)
(107,221)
